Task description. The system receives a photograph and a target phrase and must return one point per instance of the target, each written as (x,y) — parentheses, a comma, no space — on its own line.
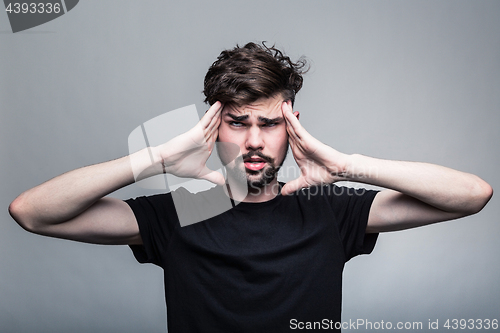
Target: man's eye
(270,125)
(235,124)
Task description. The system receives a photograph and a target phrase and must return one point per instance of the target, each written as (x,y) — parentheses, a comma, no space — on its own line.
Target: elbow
(487,193)
(480,196)
(18,211)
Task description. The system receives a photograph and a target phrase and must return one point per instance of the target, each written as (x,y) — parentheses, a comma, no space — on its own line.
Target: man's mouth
(254,163)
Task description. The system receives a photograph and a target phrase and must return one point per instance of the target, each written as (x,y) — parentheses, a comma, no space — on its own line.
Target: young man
(276,257)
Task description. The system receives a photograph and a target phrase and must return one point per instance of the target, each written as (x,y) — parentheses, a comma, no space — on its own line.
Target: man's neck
(253,194)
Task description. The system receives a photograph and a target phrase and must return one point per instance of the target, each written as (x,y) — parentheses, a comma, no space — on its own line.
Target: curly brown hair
(245,74)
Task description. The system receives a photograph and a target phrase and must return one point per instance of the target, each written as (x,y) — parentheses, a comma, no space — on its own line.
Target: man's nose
(254,140)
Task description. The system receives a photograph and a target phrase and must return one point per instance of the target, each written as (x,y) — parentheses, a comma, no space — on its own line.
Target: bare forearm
(68,195)
(443,188)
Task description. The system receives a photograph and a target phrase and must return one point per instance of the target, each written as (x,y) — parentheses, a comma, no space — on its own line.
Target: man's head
(246,74)
(253,82)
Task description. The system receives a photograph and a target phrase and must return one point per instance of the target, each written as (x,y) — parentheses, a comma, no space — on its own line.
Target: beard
(255,179)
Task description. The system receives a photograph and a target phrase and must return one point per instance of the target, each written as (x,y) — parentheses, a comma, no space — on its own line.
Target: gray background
(410,80)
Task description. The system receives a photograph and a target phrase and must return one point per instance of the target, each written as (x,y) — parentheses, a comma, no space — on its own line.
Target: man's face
(259,130)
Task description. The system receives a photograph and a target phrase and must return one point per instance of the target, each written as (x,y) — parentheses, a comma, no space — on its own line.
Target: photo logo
(195,200)
(28,14)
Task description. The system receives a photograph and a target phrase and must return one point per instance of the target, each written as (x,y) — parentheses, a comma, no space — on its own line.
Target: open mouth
(254,163)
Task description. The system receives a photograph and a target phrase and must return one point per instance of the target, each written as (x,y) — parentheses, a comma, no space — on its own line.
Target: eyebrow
(237,118)
(261,119)
(270,121)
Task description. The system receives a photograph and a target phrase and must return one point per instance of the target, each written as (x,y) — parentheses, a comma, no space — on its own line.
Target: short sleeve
(156,218)
(352,208)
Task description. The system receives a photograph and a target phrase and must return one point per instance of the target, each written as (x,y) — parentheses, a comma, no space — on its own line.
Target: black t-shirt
(258,266)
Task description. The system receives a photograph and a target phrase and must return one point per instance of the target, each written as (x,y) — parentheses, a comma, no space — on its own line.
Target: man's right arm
(73,205)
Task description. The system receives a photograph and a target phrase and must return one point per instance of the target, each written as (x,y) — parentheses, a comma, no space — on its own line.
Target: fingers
(216,118)
(293,139)
(208,120)
(211,121)
(212,132)
(294,128)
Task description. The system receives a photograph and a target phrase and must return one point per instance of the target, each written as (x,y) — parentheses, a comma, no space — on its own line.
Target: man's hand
(186,155)
(318,163)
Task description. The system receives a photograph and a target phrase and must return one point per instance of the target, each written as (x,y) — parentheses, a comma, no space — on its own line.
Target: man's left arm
(417,193)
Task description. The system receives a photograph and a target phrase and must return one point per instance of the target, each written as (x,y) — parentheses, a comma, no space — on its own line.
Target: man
(276,258)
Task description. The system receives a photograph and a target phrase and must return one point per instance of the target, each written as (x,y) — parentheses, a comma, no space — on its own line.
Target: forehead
(264,107)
